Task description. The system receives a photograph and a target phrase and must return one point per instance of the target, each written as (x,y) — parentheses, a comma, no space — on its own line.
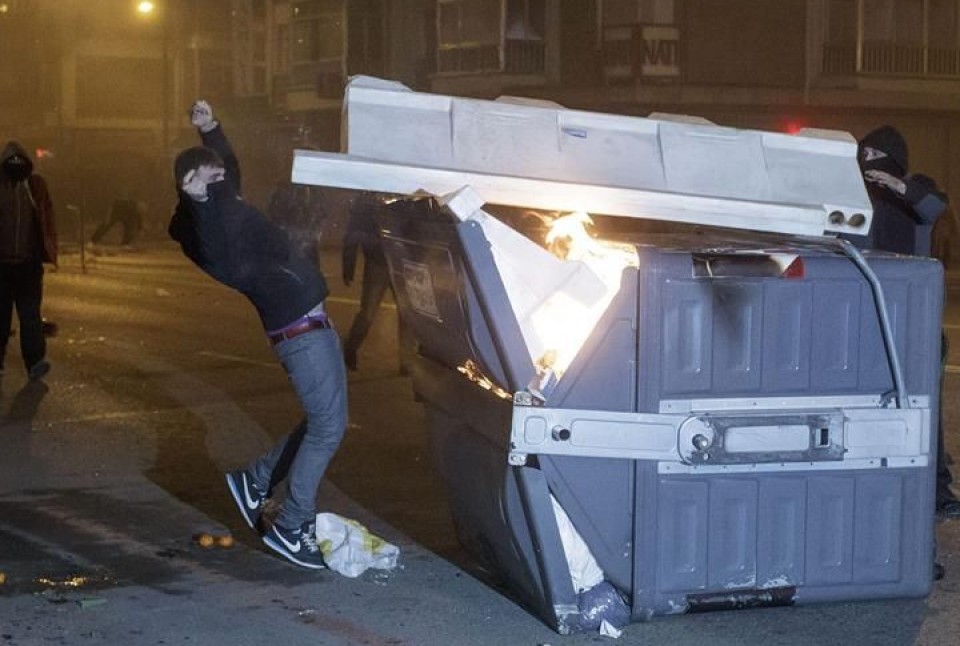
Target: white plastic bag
(584,570)
(350,549)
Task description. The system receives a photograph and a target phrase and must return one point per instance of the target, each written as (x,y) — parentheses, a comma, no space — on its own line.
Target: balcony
(889,59)
(517,56)
(524,56)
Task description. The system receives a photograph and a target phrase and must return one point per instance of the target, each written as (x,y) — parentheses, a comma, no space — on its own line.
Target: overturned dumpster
(652,426)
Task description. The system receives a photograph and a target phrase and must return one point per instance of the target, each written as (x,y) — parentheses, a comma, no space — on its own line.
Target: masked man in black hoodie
(28,238)
(905,208)
(238,246)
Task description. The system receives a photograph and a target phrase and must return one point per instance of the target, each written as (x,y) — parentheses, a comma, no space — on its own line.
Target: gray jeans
(314,365)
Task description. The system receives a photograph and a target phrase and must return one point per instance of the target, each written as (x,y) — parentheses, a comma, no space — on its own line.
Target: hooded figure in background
(28,238)
(905,209)
(905,206)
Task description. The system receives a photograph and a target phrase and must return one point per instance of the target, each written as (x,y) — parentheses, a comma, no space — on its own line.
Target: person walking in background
(125,211)
(240,247)
(28,238)
(361,235)
(906,208)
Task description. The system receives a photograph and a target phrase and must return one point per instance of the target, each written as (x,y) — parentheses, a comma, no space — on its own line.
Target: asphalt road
(162,381)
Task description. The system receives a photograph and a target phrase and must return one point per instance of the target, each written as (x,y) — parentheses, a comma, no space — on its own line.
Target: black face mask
(885,164)
(16,169)
(222,190)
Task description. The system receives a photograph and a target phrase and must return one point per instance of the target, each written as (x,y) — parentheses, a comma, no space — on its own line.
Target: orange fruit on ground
(204,540)
(225,541)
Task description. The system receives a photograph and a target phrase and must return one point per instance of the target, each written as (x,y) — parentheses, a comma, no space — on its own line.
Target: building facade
(843,64)
(106,85)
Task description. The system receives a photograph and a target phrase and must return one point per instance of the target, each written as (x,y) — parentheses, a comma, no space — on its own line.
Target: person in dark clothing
(905,209)
(28,238)
(905,206)
(361,235)
(124,211)
(240,247)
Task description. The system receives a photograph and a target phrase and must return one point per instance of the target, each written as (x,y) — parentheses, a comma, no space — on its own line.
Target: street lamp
(147,8)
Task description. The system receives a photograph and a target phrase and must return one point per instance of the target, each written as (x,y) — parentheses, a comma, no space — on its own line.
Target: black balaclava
(16,162)
(886,139)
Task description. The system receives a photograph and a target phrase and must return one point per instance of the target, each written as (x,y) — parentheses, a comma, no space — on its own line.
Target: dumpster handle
(885,328)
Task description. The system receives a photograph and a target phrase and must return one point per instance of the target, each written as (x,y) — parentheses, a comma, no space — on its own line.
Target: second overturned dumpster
(658,425)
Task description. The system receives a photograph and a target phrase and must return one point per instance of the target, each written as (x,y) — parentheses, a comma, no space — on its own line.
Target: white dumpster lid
(535,154)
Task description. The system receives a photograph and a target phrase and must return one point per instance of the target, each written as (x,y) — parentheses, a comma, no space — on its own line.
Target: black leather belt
(297,329)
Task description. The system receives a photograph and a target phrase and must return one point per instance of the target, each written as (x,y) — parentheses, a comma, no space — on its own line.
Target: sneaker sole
(279,549)
(39,371)
(241,505)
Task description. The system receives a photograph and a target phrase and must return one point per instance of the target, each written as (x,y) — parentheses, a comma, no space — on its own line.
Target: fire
(559,281)
(472,372)
(563,322)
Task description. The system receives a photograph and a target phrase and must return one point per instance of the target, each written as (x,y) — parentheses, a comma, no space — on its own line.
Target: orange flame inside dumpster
(472,372)
(566,320)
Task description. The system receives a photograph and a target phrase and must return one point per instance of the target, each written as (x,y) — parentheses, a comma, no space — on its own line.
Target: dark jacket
(297,210)
(362,234)
(905,224)
(237,245)
(28,231)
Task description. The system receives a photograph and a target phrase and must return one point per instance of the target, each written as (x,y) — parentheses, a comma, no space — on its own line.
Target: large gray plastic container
(728,436)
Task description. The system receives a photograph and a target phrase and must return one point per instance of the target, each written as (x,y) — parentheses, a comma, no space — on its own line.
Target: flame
(472,372)
(567,237)
(67,582)
(563,322)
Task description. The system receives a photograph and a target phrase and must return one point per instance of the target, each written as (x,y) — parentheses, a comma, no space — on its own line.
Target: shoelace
(258,494)
(309,538)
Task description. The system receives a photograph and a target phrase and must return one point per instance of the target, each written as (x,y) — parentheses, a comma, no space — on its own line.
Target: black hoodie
(237,245)
(20,232)
(901,223)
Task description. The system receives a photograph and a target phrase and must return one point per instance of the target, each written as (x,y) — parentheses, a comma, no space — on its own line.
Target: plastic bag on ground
(350,549)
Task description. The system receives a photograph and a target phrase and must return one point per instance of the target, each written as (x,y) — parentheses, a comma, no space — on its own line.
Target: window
(316,41)
(841,22)
(904,37)
(525,31)
(943,23)
(484,35)
(366,37)
(896,21)
(526,19)
(840,37)
(468,35)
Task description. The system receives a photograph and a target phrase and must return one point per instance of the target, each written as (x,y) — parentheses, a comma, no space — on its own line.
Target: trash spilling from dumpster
(733,411)
(599,602)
